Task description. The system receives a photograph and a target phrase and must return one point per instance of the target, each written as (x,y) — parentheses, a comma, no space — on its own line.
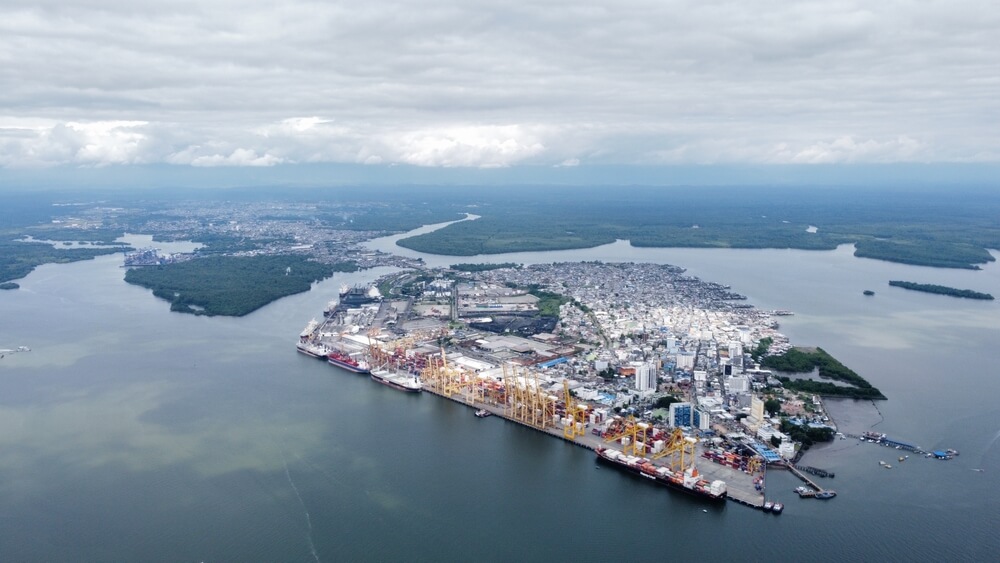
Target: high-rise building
(737,384)
(680,414)
(744,334)
(736,354)
(685,414)
(685,360)
(645,377)
(757,408)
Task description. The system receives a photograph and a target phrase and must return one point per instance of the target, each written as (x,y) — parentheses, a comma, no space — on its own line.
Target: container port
(579,378)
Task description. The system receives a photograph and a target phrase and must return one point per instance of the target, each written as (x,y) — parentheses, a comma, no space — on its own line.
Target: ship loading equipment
(575,418)
(527,402)
(640,439)
(450,380)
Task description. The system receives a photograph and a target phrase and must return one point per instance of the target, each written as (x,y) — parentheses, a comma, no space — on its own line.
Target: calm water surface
(133,433)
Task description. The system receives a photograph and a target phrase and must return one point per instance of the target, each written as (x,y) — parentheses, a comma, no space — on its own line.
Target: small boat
(483,413)
(768,506)
(777,508)
(826,494)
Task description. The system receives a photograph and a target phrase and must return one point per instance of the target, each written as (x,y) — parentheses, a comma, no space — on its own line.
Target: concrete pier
(739,485)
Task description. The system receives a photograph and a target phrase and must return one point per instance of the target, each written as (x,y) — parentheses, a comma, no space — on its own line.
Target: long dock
(816,488)
(739,485)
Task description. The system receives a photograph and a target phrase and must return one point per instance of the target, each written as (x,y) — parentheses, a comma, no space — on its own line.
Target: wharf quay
(883,440)
(815,471)
(739,485)
(817,492)
(807,469)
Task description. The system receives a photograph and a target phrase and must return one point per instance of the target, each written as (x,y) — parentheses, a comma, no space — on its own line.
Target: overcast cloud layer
(498,83)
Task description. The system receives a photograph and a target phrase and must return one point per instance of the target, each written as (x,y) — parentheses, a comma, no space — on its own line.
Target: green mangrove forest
(942,290)
(798,360)
(231,285)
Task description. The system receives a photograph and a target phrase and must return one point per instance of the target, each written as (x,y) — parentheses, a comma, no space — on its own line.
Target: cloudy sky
(498,83)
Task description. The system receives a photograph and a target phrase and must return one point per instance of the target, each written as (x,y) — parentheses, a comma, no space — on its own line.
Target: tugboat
(483,413)
(768,506)
(777,508)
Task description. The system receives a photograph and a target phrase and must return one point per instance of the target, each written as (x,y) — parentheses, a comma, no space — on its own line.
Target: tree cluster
(230,285)
(799,361)
(941,290)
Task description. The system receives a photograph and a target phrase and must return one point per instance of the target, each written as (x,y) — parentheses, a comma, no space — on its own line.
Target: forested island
(799,360)
(927,228)
(941,290)
(483,267)
(231,285)
(9,285)
(18,259)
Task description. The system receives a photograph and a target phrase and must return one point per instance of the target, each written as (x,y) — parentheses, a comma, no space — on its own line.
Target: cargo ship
(688,481)
(344,361)
(400,381)
(312,349)
(309,330)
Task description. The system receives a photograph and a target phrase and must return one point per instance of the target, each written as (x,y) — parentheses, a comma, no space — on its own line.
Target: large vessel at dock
(313,349)
(308,343)
(401,381)
(348,362)
(688,481)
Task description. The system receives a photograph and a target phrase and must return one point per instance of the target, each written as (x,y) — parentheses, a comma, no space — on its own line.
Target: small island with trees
(483,267)
(941,290)
(9,285)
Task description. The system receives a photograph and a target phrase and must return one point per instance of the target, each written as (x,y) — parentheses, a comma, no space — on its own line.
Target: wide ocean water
(131,433)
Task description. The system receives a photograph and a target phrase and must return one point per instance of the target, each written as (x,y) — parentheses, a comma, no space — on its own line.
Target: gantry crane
(448,380)
(630,428)
(681,450)
(526,401)
(576,413)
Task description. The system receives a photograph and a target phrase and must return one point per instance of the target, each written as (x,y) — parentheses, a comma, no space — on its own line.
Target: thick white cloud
(498,83)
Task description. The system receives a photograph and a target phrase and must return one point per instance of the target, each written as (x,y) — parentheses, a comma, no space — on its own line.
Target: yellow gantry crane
(526,401)
(681,450)
(576,413)
(448,380)
(635,431)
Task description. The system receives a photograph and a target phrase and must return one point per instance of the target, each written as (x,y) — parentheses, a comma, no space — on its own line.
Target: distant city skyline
(663,91)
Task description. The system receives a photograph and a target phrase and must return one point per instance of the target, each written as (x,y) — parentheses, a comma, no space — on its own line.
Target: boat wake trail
(994,440)
(319,469)
(288,475)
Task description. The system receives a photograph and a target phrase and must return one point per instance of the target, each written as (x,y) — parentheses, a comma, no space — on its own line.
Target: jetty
(804,492)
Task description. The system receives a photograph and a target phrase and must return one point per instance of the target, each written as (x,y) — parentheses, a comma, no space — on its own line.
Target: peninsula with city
(662,374)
